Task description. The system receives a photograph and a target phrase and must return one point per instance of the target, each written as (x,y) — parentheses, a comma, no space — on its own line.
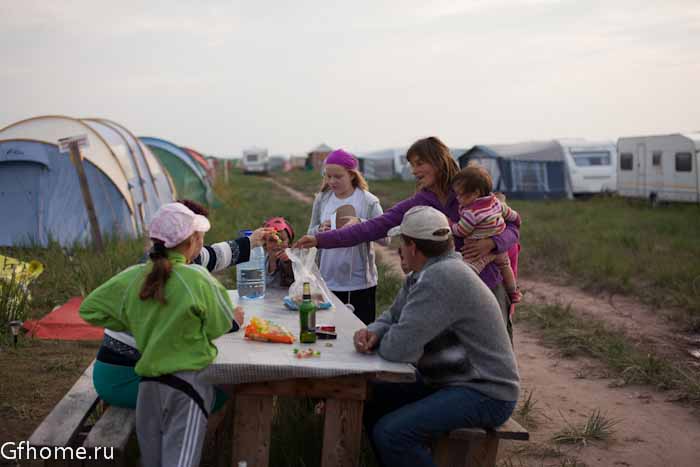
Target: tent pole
(77,159)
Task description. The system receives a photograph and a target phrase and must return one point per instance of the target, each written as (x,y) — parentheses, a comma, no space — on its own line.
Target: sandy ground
(652,430)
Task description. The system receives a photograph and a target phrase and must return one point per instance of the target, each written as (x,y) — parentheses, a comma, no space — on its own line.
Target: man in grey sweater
(449,325)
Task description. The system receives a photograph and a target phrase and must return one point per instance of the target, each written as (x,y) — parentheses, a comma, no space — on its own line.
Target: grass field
(617,245)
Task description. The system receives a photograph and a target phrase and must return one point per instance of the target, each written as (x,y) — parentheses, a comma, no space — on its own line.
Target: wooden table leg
(252,423)
(342,433)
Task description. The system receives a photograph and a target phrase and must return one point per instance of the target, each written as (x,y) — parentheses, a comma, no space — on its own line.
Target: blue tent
(532,170)
(40,196)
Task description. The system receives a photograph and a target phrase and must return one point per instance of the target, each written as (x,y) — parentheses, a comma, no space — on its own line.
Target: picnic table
(260,371)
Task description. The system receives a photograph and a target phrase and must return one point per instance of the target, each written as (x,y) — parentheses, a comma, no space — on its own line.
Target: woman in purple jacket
(434,168)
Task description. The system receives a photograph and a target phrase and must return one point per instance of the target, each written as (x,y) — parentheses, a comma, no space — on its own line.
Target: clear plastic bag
(306,270)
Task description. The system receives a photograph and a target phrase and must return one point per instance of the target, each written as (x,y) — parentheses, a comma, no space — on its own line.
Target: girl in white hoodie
(350,273)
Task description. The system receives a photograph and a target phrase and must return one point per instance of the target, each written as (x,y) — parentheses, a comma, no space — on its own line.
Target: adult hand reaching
(365,340)
(258,237)
(307,241)
(475,249)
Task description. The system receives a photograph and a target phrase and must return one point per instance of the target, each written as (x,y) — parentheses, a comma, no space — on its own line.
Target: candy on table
(308,353)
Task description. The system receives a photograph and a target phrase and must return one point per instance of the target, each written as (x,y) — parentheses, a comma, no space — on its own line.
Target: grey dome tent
(530,170)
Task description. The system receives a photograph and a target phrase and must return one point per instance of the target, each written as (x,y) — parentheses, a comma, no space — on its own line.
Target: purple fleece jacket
(377,228)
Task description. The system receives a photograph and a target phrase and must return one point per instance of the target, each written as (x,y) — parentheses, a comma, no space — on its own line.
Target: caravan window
(656,158)
(626,161)
(684,162)
(587,159)
(251,158)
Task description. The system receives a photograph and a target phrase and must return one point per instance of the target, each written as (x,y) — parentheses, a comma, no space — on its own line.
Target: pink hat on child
(342,158)
(173,223)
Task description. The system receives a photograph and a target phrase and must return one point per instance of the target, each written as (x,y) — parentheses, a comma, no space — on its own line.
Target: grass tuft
(596,428)
(527,411)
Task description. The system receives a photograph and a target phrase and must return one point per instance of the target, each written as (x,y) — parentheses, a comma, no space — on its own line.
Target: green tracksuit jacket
(173,337)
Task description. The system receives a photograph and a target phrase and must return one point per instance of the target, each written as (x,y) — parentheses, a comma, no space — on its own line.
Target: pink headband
(342,158)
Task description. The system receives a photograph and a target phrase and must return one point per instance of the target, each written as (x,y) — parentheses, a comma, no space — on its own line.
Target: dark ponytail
(154,286)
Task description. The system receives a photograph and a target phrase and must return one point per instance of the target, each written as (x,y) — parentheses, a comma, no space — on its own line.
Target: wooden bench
(475,447)
(68,425)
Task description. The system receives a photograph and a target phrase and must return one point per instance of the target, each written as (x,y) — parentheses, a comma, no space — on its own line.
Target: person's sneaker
(516,296)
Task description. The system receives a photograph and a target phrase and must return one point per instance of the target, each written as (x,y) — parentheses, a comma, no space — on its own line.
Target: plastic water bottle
(250,275)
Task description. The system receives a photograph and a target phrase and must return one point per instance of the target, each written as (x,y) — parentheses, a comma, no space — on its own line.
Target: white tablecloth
(244,361)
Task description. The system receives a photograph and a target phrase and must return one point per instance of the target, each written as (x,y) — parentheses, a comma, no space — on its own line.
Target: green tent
(187,177)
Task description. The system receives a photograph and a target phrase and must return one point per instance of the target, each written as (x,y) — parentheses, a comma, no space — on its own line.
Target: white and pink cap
(173,223)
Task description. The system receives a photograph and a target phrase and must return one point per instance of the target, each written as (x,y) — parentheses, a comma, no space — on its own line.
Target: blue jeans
(402,418)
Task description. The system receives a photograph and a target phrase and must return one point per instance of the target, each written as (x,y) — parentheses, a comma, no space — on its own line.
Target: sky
(220,76)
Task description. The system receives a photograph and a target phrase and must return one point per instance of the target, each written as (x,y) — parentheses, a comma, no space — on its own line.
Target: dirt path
(651,431)
(640,322)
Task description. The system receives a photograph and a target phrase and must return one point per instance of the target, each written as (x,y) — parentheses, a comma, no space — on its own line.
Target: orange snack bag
(260,329)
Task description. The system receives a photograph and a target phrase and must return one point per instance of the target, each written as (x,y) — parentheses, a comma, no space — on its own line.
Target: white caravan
(660,168)
(255,160)
(591,165)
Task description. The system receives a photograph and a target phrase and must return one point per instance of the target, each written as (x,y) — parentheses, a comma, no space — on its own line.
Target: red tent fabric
(202,161)
(64,323)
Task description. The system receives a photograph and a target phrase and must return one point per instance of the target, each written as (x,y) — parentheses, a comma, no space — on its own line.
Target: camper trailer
(591,165)
(255,160)
(660,168)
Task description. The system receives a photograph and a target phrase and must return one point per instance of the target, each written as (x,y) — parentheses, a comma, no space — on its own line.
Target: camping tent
(155,186)
(40,198)
(279,163)
(188,176)
(200,159)
(385,164)
(531,170)
(317,155)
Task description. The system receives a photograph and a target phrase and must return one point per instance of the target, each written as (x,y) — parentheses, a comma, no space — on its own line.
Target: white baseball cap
(173,223)
(423,223)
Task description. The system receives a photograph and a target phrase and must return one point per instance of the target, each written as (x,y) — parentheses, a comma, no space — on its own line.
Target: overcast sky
(221,75)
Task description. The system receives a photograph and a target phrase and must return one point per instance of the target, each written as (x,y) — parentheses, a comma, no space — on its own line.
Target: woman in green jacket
(174,310)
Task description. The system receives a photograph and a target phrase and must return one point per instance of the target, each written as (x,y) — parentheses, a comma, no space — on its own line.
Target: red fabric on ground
(64,323)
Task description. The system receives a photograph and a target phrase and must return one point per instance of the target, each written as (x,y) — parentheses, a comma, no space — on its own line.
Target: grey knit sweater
(448,323)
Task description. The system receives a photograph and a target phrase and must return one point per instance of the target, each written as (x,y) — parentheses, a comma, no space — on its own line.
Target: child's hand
(282,254)
(239,315)
(475,249)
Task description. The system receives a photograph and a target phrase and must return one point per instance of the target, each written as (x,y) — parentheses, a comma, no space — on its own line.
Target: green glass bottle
(307,318)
